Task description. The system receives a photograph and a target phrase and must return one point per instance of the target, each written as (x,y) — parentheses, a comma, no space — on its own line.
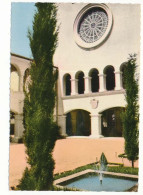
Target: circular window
(92,25)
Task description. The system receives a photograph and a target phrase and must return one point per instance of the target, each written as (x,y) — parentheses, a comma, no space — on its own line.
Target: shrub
(20,140)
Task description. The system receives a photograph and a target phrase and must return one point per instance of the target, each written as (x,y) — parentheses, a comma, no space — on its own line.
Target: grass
(55,188)
(126,170)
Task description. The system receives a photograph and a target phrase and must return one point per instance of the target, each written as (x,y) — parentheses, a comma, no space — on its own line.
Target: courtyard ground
(69,154)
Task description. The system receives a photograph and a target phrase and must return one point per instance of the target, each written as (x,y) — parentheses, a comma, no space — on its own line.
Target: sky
(21,20)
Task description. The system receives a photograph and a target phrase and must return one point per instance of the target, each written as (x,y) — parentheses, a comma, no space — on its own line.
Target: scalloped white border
(77,38)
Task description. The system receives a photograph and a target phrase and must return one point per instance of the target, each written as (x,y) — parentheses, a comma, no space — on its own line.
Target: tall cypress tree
(131,116)
(41,131)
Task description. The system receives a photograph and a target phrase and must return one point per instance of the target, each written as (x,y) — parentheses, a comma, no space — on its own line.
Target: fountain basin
(88,180)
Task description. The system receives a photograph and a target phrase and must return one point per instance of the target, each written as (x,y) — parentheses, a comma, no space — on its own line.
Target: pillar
(102,86)
(62,124)
(21,83)
(74,86)
(96,126)
(118,81)
(18,126)
(87,81)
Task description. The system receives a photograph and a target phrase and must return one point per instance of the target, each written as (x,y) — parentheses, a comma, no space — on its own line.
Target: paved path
(69,153)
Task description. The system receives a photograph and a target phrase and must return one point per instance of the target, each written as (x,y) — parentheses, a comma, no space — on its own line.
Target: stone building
(94,43)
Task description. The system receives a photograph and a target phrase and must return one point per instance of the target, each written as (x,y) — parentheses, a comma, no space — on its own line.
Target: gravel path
(69,153)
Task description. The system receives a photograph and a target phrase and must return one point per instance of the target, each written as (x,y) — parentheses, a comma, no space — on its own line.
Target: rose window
(93,25)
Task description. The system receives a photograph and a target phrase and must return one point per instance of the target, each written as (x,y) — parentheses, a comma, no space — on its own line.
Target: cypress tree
(41,132)
(103,162)
(131,117)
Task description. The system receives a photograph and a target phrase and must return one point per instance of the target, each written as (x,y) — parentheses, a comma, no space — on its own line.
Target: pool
(90,182)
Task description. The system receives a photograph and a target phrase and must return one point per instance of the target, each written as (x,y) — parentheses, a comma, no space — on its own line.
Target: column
(102,86)
(96,126)
(21,82)
(62,124)
(87,81)
(74,86)
(118,81)
(18,126)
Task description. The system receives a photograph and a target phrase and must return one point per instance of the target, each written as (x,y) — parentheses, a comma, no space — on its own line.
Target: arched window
(67,84)
(94,80)
(110,77)
(14,79)
(122,69)
(26,79)
(80,82)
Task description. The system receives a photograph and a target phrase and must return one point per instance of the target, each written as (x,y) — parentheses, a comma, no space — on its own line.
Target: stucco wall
(16,102)
(104,102)
(123,40)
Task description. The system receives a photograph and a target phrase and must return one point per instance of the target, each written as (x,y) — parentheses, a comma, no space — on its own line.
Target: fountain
(101,178)
(102,167)
(92,180)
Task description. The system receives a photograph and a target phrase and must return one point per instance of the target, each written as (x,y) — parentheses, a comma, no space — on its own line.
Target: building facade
(94,43)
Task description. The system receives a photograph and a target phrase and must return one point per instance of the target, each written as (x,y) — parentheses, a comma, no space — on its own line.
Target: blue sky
(21,19)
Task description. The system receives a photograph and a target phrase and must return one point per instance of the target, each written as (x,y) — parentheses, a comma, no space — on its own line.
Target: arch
(76,109)
(122,70)
(111,123)
(17,68)
(80,82)
(67,84)
(110,77)
(94,74)
(14,79)
(107,108)
(78,123)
